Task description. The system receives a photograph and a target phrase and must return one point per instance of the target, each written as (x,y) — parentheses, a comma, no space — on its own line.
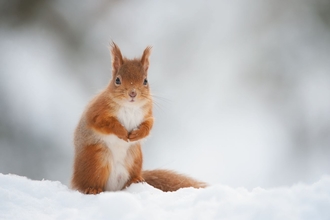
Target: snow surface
(22,198)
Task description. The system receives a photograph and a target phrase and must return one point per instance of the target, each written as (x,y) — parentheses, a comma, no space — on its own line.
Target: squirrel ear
(145,58)
(116,58)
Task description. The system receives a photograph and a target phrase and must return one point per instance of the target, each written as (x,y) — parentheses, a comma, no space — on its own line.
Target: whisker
(156,104)
(161,98)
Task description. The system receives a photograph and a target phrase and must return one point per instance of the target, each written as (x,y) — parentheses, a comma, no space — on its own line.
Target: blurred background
(242,88)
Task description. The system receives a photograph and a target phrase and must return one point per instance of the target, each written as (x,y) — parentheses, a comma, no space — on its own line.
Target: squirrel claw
(94,191)
(134,135)
(138,180)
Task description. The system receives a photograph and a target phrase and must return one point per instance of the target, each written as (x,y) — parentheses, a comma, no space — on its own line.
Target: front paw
(122,134)
(135,135)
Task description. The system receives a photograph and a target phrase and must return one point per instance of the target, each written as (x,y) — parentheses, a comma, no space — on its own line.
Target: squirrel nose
(132,94)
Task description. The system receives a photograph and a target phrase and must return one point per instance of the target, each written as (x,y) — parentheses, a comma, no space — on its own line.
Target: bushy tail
(167,180)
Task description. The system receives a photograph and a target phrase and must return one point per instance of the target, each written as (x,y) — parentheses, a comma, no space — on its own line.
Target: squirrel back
(108,155)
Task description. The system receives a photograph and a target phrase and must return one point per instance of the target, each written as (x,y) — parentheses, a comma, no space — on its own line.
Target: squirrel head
(129,83)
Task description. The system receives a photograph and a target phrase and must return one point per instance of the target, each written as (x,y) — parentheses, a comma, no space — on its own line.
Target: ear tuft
(116,58)
(145,58)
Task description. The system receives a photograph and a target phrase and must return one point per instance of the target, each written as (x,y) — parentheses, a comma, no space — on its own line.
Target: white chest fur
(130,118)
(118,173)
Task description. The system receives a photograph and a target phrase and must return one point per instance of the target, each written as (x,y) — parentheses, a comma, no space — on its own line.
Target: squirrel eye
(117,82)
(145,82)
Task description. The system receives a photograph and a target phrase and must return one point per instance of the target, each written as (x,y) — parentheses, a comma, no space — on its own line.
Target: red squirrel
(108,137)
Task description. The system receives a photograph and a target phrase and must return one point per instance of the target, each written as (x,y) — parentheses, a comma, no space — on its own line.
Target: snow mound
(21,198)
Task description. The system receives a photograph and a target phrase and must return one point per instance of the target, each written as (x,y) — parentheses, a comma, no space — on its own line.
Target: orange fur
(91,169)
(168,181)
(107,139)
(101,117)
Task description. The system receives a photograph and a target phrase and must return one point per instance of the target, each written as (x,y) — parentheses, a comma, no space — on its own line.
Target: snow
(22,198)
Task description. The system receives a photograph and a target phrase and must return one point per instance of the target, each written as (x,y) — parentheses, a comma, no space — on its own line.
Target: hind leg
(91,169)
